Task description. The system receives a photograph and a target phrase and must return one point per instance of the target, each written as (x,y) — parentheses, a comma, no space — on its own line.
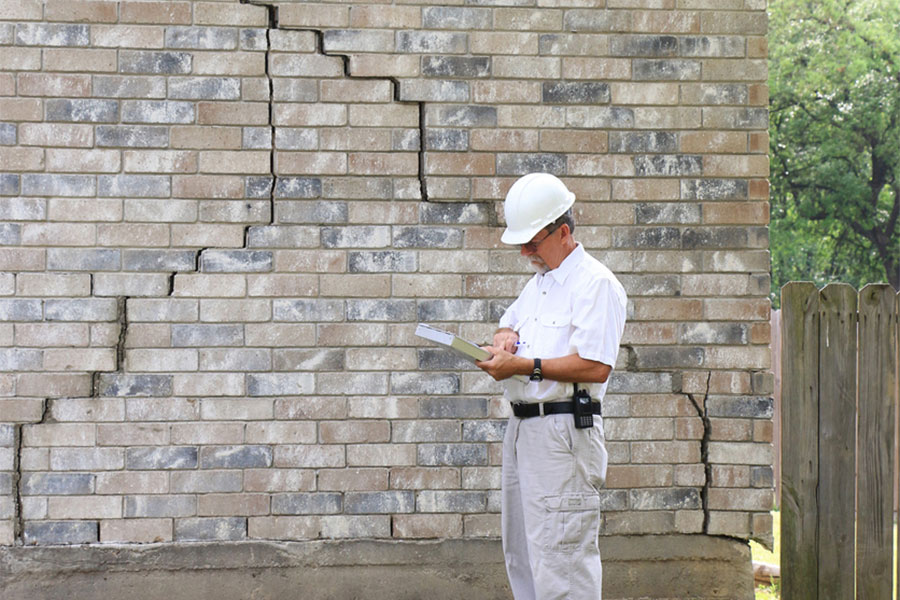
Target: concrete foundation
(653,567)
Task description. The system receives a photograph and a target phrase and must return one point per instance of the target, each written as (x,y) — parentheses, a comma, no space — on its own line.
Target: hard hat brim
(517,238)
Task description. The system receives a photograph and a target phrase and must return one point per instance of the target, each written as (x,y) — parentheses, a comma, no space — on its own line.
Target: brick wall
(221,223)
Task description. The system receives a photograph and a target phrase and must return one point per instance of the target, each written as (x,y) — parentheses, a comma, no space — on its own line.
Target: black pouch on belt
(582,408)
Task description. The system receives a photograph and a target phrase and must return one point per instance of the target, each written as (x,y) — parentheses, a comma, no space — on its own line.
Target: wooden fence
(839,426)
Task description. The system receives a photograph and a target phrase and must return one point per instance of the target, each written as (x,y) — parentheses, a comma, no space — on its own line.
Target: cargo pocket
(599,456)
(572,521)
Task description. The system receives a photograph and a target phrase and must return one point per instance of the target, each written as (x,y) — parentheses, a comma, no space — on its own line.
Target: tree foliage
(834,79)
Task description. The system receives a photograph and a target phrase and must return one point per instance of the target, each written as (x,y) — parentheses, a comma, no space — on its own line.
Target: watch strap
(536,373)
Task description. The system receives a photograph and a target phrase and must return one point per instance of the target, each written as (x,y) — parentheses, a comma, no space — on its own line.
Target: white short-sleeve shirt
(578,307)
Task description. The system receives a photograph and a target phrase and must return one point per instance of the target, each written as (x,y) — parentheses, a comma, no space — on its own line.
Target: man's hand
(506,339)
(503,364)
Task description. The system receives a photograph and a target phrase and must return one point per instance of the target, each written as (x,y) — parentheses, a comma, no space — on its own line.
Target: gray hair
(567,218)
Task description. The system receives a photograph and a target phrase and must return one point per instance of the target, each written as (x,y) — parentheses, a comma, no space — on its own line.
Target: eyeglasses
(533,245)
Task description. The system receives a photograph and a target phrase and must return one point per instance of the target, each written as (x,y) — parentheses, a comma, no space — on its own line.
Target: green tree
(834,80)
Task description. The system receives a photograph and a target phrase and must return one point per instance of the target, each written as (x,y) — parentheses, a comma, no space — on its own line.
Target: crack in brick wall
(703,413)
(18,444)
(273,24)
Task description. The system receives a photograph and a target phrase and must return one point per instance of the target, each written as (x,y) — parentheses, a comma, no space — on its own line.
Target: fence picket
(837,439)
(800,394)
(877,398)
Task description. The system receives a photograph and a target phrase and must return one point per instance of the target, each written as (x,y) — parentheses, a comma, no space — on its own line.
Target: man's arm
(567,369)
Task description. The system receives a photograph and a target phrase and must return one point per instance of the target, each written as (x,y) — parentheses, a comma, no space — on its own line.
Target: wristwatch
(536,374)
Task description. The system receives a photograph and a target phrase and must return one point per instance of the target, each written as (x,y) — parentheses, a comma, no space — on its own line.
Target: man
(562,331)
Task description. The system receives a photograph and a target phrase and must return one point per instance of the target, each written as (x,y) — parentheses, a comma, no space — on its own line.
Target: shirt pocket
(554,335)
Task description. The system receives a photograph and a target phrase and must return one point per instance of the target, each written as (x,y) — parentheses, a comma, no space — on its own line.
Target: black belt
(523,411)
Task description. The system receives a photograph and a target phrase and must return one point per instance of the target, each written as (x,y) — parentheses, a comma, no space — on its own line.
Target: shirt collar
(568,264)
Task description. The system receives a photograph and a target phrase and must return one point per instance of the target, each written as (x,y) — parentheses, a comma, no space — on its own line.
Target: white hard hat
(533,202)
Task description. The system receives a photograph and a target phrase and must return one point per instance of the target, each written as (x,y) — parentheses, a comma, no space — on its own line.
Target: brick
(424,526)
(209,384)
(381,455)
(453,17)
(233,504)
(22,159)
(51,484)
(24,10)
(665,499)
(23,59)
(373,65)
(60,532)
(422,42)
(97,61)
(281,384)
(235,360)
(58,185)
(305,65)
(80,11)
(379,502)
(526,67)
(203,38)
(235,457)
(358,40)
(665,452)
(95,359)
(446,501)
(135,186)
(135,531)
(127,36)
(204,88)
(51,334)
(207,186)
(45,34)
(243,409)
(9,186)
(161,360)
(309,456)
(157,111)
(166,13)
(736,118)
(306,503)
(294,15)
(306,359)
(160,506)
(154,62)
(280,335)
(132,136)
(211,528)
(279,480)
(168,457)
(84,507)
(22,410)
(372,163)
(215,13)
(86,459)
(136,385)
(132,434)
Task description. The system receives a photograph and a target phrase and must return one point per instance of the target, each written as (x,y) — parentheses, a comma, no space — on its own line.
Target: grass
(758,553)
(761,554)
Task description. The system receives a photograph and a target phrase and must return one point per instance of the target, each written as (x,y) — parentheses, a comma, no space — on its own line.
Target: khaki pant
(551,507)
